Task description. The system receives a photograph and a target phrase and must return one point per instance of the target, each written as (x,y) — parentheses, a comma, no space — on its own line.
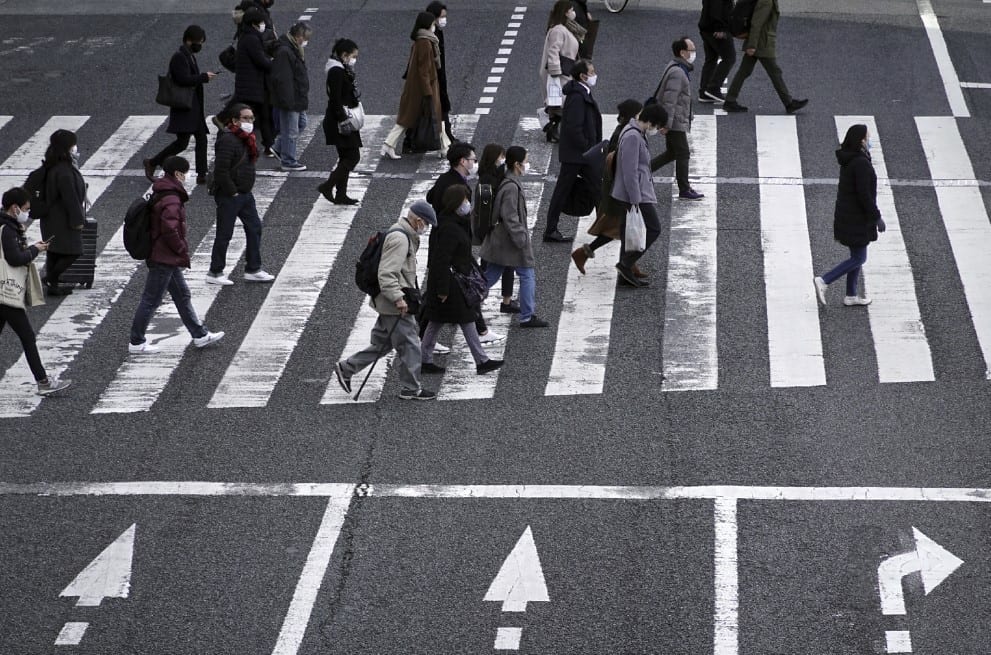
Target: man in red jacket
(169,255)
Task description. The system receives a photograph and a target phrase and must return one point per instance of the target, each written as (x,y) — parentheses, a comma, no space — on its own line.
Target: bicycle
(616,6)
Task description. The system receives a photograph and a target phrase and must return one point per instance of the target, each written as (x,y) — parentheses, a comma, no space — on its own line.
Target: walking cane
(378,357)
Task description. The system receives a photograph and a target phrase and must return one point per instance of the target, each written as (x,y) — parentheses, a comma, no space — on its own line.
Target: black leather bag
(567,63)
(473,286)
(174,96)
(425,137)
(228,58)
(582,199)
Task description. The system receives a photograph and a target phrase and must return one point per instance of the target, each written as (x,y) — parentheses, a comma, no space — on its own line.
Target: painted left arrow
(107,576)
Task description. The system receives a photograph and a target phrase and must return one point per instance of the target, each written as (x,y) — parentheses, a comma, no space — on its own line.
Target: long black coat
(581,123)
(445,100)
(450,246)
(715,15)
(251,69)
(289,82)
(186,72)
(65,192)
(341,93)
(269,36)
(856,215)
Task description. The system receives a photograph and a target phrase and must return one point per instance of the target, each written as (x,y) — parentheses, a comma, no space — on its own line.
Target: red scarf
(249,139)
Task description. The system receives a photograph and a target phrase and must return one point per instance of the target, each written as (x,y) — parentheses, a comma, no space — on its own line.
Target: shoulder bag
(354,122)
(473,286)
(172,95)
(13,282)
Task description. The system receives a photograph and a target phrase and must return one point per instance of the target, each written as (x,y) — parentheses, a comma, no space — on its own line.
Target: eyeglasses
(249,119)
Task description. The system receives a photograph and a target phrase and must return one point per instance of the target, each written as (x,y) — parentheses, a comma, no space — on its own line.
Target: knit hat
(63,140)
(423,210)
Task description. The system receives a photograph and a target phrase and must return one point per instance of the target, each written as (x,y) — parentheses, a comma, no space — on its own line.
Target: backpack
(483,218)
(740,17)
(137,225)
(35,186)
(366,270)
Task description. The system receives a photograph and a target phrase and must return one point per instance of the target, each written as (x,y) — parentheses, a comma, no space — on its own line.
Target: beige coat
(559,42)
(397,267)
(421,81)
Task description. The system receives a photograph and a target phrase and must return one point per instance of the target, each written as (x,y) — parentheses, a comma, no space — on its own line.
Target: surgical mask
(74,151)
(691,57)
(592,79)
(571,15)
(261,27)
(442,22)
(500,162)
(247,128)
(471,167)
(195,47)
(869,144)
(464,209)
(352,61)
(23,216)
(422,229)
(526,167)
(651,131)
(303,44)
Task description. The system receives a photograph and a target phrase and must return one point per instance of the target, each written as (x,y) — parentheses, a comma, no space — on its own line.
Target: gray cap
(423,209)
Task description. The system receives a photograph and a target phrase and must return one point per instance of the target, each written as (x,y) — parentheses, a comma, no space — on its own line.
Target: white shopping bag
(635,238)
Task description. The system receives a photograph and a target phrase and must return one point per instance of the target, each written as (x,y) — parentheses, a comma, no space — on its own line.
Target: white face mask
(422,229)
(464,209)
(471,167)
(74,151)
(592,79)
(571,15)
(526,167)
(691,57)
(353,61)
(651,131)
(442,22)
(23,216)
(500,162)
(261,27)
(247,128)
(303,44)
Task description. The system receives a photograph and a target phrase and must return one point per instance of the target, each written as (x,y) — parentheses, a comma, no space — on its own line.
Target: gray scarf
(434,41)
(576,29)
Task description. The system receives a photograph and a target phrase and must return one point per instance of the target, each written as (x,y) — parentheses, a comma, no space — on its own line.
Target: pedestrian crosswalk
(584,328)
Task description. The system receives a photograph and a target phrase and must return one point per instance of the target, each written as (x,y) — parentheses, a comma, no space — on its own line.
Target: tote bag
(425,137)
(13,283)
(174,96)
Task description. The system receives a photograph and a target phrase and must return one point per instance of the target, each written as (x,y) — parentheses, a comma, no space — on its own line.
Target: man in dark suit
(463,162)
(581,128)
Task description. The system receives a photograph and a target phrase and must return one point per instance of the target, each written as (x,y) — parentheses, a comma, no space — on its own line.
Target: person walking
(720,55)
(395,328)
(234,179)
(492,171)
(856,217)
(269,35)
(609,213)
(633,185)
(559,55)
(291,92)
(761,45)
(15,207)
(581,128)
(65,193)
(342,94)
(169,255)
(439,9)
(450,250)
(507,245)
(421,89)
(675,95)
(251,76)
(186,123)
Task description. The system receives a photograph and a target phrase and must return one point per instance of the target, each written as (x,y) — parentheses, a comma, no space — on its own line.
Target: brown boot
(639,273)
(580,256)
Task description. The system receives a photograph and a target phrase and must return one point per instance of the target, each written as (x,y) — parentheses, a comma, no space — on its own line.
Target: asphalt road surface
(713,465)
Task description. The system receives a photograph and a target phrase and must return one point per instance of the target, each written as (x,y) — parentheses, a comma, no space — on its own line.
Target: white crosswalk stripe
(581,351)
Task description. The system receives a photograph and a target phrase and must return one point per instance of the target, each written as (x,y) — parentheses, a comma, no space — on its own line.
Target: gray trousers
(770,64)
(391,332)
(471,338)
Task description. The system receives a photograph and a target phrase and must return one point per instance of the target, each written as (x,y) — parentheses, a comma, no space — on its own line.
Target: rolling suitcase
(83,269)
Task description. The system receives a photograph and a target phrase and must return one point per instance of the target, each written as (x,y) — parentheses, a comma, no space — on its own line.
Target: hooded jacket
(856,215)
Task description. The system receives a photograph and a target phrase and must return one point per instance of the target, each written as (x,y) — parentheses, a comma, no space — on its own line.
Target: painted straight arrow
(107,576)
(520,579)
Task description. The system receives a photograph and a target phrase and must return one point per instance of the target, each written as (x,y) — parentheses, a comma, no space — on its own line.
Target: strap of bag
(663,77)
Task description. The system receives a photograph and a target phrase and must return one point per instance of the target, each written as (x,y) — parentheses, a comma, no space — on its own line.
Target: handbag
(414,300)
(581,201)
(34,294)
(174,96)
(567,63)
(13,283)
(228,57)
(635,236)
(425,137)
(473,286)
(354,122)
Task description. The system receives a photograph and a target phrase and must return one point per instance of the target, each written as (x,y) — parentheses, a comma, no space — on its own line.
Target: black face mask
(195,47)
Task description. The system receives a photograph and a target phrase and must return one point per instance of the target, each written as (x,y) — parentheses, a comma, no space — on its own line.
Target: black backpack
(35,186)
(137,225)
(483,217)
(740,18)
(366,270)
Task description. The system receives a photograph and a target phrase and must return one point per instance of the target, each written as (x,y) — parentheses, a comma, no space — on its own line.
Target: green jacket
(764,29)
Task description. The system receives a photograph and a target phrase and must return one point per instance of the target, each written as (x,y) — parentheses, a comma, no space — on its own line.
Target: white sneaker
(221,280)
(142,348)
(259,276)
(821,287)
(490,337)
(852,301)
(52,385)
(207,339)
(390,152)
(441,349)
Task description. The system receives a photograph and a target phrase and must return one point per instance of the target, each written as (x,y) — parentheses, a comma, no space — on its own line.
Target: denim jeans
(291,123)
(162,278)
(850,268)
(229,209)
(528,287)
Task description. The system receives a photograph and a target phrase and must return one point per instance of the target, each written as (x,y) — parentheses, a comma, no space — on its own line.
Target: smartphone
(49,239)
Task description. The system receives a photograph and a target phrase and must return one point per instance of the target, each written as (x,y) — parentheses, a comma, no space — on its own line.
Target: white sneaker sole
(219,281)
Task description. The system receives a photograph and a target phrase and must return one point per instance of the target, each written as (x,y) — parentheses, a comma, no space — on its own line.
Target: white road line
(794,341)
(951,83)
(262,358)
(305,596)
(899,336)
(431,164)
(71,633)
(976,85)
(373,135)
(691,358)
(359,335)
(726,621)
(4,120)
(965,217)
(140,379)
(77,316)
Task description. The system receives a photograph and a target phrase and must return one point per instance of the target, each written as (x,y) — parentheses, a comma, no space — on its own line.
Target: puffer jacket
(675,95)
(233,170)
(856,215)
(168,223)
(289,81)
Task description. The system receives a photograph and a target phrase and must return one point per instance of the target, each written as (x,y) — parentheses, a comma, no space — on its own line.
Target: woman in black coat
(856,219)
(185,123)
(342,92)
(450,247)
(250,73)
(65,194)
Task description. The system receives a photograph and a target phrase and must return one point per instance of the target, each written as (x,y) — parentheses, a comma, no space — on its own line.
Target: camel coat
(421,81)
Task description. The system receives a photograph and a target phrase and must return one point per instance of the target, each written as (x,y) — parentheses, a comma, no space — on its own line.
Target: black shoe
(201,179)
(557,237)
(627,276)
(342,379)
(422,394)
(488,365)
(795,105)
(509,308)
(534,322)
(430,367)
(327,191)
(733,107)
(56,290)
(342,199)
(705,99)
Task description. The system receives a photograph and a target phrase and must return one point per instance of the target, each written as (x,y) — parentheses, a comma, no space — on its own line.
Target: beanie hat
(423,209)
(63,140)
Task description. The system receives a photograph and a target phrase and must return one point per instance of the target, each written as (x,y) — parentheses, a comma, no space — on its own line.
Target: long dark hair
(423,22)
(559,13)
(487,162)
(59,145)
(453,197)
(854,138)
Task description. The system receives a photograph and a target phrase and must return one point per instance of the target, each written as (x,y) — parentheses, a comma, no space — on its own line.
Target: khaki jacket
(764,29)
(397,268)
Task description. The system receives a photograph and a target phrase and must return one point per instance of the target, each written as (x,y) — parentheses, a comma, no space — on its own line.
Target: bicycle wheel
(615,6)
